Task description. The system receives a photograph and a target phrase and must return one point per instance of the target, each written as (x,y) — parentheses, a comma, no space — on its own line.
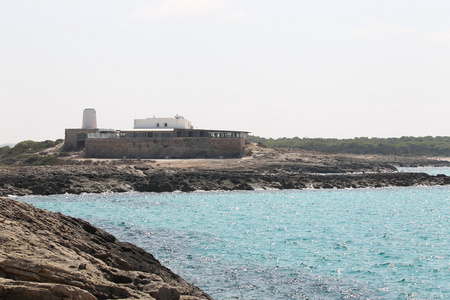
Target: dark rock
(274,169)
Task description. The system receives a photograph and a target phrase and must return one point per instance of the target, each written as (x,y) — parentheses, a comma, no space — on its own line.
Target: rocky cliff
(45,255)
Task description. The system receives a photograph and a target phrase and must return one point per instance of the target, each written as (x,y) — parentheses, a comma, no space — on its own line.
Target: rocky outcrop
(45,255)
(46,180)
(265,168)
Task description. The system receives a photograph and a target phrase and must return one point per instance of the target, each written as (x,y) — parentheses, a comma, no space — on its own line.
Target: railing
(110,135)
(102,135)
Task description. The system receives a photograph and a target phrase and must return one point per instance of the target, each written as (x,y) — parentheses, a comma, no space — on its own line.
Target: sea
(372,243)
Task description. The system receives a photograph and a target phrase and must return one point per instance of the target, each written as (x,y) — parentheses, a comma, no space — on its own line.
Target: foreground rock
(45,255)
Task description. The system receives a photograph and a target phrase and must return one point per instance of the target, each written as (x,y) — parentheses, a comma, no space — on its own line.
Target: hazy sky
(322,68)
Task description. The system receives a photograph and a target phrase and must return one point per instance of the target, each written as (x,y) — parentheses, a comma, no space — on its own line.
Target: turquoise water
(390,243)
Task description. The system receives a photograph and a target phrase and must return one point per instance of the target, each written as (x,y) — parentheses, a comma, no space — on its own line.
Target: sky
(325,68)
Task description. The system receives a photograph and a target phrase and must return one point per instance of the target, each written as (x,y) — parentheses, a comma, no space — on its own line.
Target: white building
(177,122)
(154,138)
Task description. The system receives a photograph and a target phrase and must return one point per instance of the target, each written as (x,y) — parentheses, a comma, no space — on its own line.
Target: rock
(25,290)
(272,168)
(45,255)
(165,293)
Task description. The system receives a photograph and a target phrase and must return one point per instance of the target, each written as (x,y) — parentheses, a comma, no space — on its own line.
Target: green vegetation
(407,146)
(29,153)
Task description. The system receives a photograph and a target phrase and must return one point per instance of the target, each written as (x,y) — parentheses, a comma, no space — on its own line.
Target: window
(157,124)
(155,134)
(165,124)
(82,137)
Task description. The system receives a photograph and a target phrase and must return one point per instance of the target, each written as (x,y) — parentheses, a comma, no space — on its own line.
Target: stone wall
(71,138)
(165,147)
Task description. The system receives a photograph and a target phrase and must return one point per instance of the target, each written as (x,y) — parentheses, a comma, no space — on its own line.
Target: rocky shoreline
(47,180)
(265,169)
(45,255)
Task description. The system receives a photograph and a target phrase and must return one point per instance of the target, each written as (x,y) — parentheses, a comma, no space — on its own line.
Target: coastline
(265,169)
(32,256)
(50,180)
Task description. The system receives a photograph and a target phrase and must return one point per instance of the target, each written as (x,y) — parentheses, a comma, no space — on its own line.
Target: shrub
(28,153)
(48,160)
(64,154)
(412,146)
(31,160)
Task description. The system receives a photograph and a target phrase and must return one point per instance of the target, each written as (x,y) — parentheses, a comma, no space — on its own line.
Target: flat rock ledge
(47,180)
(50,256)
